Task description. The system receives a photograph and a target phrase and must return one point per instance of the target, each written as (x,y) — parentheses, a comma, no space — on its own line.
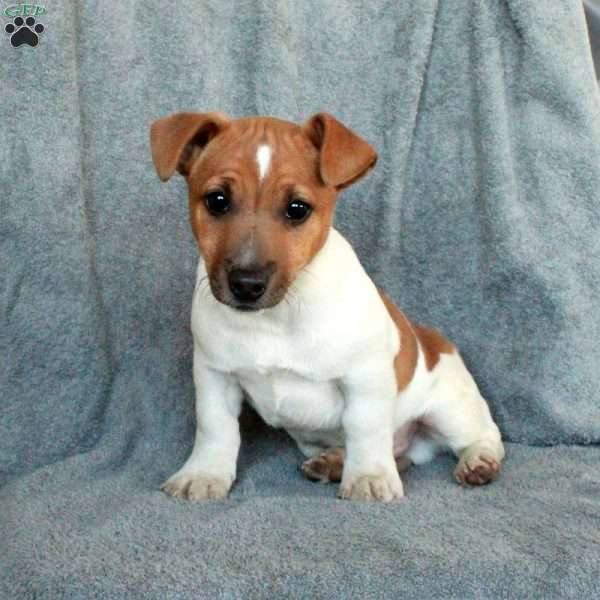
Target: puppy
(284,313)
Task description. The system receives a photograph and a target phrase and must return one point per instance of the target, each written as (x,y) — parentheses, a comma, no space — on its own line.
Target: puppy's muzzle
(249,285)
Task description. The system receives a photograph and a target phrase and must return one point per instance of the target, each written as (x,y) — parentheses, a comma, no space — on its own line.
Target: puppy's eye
(217,203)
(297,211)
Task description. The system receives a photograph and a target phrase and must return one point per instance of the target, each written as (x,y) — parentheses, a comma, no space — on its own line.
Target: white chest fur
(290,358)
(287,400)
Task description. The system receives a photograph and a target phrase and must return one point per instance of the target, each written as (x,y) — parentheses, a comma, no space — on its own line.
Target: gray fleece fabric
(481,219)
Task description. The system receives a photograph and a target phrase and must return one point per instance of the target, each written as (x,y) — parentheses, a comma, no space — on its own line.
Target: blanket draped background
(481,219)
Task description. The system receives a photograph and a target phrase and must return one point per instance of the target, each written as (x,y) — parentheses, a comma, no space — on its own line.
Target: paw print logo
(24,31)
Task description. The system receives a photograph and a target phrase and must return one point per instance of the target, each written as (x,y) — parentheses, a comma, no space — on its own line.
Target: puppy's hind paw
(476,469)
(325,467)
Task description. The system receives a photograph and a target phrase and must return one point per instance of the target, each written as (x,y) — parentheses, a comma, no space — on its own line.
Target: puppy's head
(261,194)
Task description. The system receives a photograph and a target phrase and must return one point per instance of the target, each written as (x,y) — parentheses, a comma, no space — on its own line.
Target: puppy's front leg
(211,468)
(370,471)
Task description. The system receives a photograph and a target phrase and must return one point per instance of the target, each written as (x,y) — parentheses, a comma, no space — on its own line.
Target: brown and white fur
(320,352)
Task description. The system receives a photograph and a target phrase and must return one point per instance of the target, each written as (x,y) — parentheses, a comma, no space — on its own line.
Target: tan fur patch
(433,343)
(257,218)
(405,361)
(307,163)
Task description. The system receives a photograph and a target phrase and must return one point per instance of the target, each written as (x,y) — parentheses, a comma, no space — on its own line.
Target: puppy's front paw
(381,488)
(196,486)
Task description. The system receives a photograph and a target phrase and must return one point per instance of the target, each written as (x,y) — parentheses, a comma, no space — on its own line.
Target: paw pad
(325,467)
(479,472)
(24,31)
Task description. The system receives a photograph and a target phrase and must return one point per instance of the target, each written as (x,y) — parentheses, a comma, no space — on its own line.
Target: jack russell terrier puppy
(284,313)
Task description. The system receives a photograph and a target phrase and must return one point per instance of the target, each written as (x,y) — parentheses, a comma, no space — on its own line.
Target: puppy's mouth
(242,307)
(269,299)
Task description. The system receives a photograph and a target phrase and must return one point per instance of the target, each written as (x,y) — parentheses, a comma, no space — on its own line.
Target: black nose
(248,285)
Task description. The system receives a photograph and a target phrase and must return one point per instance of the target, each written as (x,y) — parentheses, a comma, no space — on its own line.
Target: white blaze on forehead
(263,158)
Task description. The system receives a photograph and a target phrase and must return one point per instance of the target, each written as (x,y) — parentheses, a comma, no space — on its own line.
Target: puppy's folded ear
(177,140)
(343,156)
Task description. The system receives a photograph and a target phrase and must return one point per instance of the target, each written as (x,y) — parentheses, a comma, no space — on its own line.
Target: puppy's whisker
(293,299)
(203,286)
(310,273)
(201,283)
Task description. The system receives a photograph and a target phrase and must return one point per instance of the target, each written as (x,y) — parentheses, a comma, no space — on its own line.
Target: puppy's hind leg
(461,416)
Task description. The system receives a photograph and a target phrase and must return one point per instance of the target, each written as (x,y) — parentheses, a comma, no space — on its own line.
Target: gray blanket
(481,218)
